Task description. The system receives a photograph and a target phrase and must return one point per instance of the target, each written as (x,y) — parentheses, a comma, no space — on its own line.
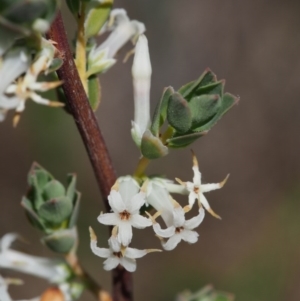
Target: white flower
(181,229)
(49,269)
(117,254)
(26,87)
(141,73)
(123,29)
(125,200)
(196,190)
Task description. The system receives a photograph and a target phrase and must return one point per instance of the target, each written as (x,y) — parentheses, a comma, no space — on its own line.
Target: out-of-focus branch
(78,105)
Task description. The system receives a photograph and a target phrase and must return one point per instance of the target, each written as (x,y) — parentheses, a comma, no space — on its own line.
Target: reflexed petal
(197,175)
(128,188)
(134,253)
(172,242)
(111,263)
(109,219)
(125,233)
(114,244)
(178,215)
(136,203)
(209,187)
(189,236)
(116,202)
(139,221)
(7,240)
(128,263)
(168,232)
(195,221)
(101,252)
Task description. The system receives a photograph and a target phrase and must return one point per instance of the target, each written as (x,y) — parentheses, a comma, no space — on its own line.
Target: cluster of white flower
(19,75)
(127,198)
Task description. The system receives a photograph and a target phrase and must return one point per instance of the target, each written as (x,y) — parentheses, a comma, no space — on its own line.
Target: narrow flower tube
(49,269)
(141,73)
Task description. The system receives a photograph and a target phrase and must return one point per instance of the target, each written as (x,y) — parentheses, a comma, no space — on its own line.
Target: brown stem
(78,105)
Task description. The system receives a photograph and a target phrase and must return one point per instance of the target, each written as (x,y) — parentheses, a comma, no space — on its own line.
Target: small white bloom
(125,200)
(117,253)
(123,29)
(141,73)
(49,269)
(181,229)
(196,189)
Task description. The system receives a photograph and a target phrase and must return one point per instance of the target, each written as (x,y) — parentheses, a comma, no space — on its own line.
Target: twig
(78,105)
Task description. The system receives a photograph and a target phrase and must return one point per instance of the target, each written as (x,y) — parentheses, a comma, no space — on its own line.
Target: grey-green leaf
(53,189)
(56,211)
(61,241)
(160,112)
(152,147)
(179,114)
(185,140)
(94,92)
(203,108)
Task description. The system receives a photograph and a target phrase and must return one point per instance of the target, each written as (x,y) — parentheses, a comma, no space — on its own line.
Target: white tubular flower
(141,73)
(123,29)
(125,201)
(49,269)
(117,254)
(26,87)
(159,198)
(181,229)
(196,189)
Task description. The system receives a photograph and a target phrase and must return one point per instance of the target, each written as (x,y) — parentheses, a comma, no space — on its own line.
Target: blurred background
(254,251)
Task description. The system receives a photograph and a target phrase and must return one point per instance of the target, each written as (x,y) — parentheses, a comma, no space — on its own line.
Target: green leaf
(61,241)
(75,212)
(97,14)
(228,101)
(55,64)
(53,189)
(56,211)
(185,140)
(206,78)
(160,112)
(73,6)
(203,108)
(31,214)
(214,88)
(94,92)
(179,114)
(71,190)
(152,147)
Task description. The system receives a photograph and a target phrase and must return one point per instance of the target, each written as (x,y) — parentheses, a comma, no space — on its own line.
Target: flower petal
(195,221)
(189,236)
(116,202)
(114,244)
(168,232)
(128,263)
(172,242)
(128,187)
(101,252)
(136,203)
(7,240)
(125,233)
(192,197)
(134,253)
(111,263)
(197,175)
(209,187)
(109,219)
(178,215)
(204,201)
(139,221)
